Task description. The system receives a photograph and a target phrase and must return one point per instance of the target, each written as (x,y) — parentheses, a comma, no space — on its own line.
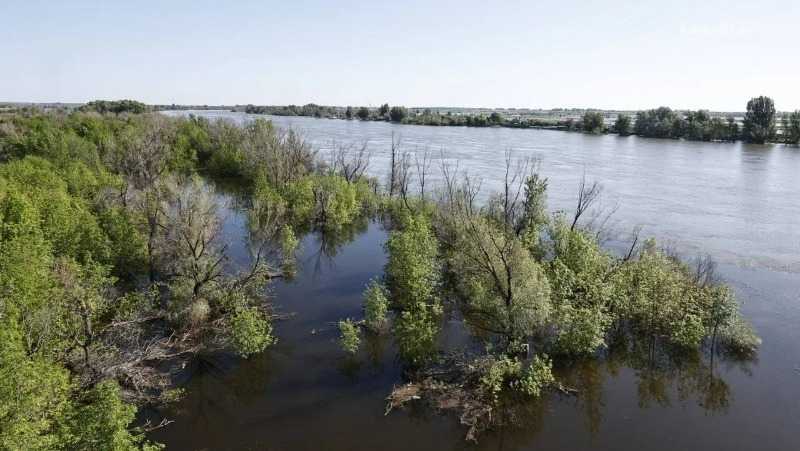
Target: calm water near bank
(738,203)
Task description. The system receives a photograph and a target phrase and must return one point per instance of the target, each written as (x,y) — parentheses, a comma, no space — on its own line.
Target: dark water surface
(738,203)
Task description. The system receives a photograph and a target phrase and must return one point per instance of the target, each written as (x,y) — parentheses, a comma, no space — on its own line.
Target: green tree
(661,122)
(376,305)
(397,113)
(581,293)
(328,201)
(412,270)
(363,113)
(506,291)
(622,126)
(593,122)
(759,121)
(348,112)
(413,277)
(383,110)
(349,336)
(791,130)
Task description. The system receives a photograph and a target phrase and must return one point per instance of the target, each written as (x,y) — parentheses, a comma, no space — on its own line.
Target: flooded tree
(349,336)
(376,306)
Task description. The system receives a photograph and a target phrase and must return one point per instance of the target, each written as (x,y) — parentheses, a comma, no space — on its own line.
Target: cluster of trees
(383,113)
(663,122)
(401,114)
(115,106)
(536,287)
(759,125)
(593,122)
(494,119)
(112,269)
(309,109)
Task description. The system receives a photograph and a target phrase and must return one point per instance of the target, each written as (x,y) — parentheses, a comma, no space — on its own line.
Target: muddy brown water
(739,204)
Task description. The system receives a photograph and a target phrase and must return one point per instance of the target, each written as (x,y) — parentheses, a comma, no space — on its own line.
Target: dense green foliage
(759,121)
(59,241)
(530,285)
(111,260)
(376,306)
(397,114)
(693,125)
(309,109)
(622,125)
(115,106)
(791,128)
(593,122)
(659,123)
(412,276)
(349,336)
(505,372)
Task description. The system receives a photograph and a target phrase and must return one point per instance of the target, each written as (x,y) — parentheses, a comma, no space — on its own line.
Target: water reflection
(329,242)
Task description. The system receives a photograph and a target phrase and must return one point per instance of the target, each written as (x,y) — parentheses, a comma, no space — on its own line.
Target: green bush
(412,272)
(376,305)
(349,336)
(251,331)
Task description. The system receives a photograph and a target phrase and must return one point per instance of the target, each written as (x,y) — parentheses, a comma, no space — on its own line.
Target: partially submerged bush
(349,336)
(376,305)
(738,338)
(412,273)
(662,298)
(328,201)
(415,331)
(536,377)
(251,331)
(579,330)
(506,373)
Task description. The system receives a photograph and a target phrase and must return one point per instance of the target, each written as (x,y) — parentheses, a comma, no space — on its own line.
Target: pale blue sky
(622,54)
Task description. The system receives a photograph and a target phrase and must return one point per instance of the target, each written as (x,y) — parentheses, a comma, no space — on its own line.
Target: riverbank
(662,122)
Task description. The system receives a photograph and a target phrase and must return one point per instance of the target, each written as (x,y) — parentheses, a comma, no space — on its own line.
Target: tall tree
(759,121)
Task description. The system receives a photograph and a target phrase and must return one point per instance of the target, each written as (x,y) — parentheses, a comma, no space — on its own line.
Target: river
(738,203)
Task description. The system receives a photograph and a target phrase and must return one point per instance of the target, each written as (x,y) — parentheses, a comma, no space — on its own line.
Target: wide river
(738,203)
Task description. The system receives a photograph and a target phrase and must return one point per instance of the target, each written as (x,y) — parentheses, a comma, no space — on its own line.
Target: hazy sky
(621,54)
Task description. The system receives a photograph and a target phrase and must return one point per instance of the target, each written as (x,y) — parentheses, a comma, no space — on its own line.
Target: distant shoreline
(566,127)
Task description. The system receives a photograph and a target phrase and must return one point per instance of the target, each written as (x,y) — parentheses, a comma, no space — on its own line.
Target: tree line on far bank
(761,123)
